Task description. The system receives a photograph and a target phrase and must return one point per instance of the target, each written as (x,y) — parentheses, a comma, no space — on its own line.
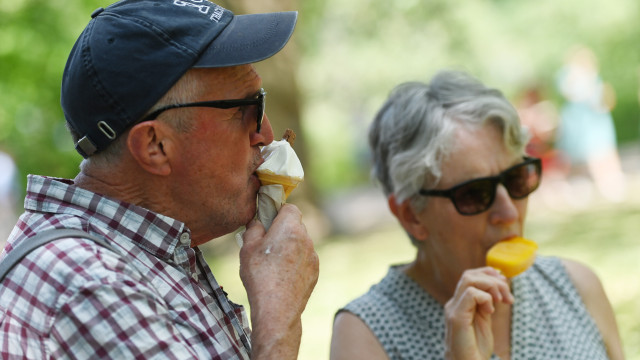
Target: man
(160,178)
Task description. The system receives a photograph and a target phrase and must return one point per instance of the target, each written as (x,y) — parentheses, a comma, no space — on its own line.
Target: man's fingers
(254,232)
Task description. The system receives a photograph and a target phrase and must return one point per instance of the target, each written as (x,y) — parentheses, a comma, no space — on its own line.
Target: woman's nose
(503,210)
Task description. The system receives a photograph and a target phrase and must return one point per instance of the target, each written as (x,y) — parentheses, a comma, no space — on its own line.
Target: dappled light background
(344,59)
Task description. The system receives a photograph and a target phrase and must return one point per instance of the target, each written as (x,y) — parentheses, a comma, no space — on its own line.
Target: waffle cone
(289,183)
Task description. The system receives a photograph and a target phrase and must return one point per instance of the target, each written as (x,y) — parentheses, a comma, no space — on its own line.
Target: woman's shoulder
(591,292)
(378,296)
(582,277)
(398,314)
(566,274)
(595,299)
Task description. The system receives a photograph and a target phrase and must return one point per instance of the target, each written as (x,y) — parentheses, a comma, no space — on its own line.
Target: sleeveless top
(549,319)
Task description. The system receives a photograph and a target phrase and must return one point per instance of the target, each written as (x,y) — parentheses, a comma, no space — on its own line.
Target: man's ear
(407,217)
(145,143)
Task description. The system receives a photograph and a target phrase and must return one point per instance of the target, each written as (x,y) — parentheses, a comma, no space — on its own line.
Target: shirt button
(184,239)
(194,276)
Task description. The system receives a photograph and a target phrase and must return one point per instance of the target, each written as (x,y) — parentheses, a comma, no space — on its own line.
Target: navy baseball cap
(132,52)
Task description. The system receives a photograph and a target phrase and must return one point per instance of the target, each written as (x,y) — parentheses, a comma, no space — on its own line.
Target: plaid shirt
(150,296)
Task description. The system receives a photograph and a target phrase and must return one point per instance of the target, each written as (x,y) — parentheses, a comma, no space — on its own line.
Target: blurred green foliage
(355,52)
(35,39)
(352,54)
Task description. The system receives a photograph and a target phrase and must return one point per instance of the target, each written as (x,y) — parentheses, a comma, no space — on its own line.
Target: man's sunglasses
(256,103)
(477,195)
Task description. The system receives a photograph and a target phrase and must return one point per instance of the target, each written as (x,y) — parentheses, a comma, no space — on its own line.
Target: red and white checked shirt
(151,296)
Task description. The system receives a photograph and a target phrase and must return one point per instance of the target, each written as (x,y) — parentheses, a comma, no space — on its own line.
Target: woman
(450,158)
(586,134)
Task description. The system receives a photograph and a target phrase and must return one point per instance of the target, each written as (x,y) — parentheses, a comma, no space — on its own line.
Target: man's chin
(250,215)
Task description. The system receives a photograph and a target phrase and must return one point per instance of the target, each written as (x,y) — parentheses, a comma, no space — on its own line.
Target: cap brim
(248,39)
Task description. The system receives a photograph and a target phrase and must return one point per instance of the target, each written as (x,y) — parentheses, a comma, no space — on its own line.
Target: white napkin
(270,200)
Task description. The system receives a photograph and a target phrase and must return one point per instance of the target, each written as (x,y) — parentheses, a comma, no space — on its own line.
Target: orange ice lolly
(512,256)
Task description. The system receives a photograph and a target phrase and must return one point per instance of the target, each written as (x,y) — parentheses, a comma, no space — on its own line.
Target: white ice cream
(281,159)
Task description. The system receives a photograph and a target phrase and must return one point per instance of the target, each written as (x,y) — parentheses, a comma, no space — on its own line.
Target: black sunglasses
(477,195)
(257,103)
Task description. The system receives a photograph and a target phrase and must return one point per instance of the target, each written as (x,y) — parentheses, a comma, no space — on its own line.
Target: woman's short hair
(413,130)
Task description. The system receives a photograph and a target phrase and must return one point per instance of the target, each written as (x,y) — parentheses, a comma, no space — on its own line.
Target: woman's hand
(468,313)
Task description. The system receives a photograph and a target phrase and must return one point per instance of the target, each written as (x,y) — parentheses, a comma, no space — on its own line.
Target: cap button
(96,12)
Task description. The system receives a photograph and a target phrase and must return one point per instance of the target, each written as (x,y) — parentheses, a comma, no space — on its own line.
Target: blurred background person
(450,156)
(8,196)
(540,117)
(586,134)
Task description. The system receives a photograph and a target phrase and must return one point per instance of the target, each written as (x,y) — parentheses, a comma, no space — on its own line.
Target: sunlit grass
(605,236)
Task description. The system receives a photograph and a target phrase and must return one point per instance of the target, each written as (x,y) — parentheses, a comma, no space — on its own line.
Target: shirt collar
(155,233)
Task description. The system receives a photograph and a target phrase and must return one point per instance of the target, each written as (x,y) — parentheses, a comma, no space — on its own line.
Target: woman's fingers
(468,313)
(488,280)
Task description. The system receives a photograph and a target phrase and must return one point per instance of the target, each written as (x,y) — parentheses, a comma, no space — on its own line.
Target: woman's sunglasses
(477,195)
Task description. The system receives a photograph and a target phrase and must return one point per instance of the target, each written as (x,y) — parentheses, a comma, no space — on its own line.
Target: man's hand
(279,270)
(468,314)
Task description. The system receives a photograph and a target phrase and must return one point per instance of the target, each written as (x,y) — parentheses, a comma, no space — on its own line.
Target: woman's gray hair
(187,88)
(412,133)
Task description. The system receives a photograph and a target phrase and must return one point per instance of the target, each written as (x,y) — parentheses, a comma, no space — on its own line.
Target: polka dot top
(549,320)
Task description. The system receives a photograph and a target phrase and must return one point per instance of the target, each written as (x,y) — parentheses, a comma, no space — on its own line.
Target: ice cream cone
(289,183)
